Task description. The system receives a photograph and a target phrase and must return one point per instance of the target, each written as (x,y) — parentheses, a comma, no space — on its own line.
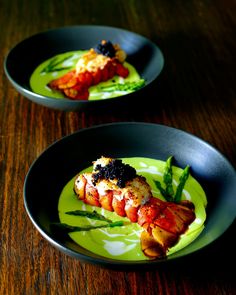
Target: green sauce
(60,64)
(123,243)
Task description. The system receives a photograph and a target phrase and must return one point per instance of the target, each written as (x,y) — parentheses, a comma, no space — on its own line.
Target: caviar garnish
(106,48)
(115,170)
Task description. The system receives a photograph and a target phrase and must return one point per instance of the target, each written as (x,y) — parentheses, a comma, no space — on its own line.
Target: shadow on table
(217,259)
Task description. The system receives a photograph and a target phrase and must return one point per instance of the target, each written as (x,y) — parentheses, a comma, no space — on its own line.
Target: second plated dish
(25,57)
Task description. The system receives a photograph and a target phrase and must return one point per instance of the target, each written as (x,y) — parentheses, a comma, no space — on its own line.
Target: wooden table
(196,93)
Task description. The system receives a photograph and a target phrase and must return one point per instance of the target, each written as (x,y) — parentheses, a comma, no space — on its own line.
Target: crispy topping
(98,57)
(91,61)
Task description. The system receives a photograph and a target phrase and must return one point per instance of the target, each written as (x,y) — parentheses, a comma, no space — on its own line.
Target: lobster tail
(95,66)
(162,222)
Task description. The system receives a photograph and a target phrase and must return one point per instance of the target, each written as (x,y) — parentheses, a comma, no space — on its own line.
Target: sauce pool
(123,243)
(61,64)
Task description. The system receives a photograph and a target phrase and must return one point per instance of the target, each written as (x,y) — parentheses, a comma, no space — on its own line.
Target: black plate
(22,60)
(66,157)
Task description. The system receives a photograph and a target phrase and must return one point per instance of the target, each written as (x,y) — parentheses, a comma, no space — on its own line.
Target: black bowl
(66,157)
(22,60)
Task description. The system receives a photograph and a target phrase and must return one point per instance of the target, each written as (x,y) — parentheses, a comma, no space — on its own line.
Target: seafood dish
(116,187)
(97,65)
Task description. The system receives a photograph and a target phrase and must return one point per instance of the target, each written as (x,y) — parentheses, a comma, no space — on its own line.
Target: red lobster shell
(91,69)
(163,222)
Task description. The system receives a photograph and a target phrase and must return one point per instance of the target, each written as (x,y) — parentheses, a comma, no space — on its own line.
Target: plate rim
(104,261)
(33,96)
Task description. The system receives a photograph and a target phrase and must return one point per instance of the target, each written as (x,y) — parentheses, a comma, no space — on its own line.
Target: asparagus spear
(182,180)
(163,191)
(53,65)
(70,228)
(168,191)
(93,215)
(167,177)
(128,86)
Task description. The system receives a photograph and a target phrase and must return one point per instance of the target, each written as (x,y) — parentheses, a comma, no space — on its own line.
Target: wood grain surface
(196,92)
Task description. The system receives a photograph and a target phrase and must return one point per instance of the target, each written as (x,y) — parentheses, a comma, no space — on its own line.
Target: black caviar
(106,48)
(114,170)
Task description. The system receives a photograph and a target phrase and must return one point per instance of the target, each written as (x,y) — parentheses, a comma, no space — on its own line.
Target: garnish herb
(70,228)
(168,191)
(93,215)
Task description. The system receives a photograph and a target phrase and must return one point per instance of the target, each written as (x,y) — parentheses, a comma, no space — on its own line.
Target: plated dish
(99,73)
(133,208)
(46,181)
(144,59)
